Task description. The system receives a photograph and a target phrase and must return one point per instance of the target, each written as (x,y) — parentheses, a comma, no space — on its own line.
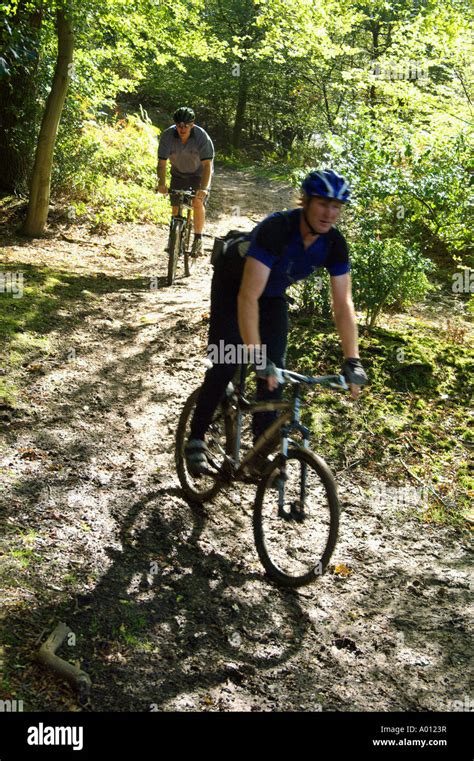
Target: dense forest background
(380,90)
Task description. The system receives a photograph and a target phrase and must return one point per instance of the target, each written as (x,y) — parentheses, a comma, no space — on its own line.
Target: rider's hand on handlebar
(161,189)
(269,372)
(272,382)
(201,194)
(355,375)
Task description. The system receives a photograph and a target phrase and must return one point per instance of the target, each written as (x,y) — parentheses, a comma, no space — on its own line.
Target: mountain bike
(296,509)
(180,235)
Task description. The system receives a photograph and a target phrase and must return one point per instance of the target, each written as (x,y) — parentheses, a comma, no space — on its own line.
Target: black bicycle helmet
(184,114)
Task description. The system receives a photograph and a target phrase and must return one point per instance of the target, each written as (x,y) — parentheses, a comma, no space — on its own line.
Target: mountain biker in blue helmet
(248,304)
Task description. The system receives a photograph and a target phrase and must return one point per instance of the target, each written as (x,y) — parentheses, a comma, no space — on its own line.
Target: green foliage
(19,55)
(114,44)
(312,295)
(415,188)
(414,410)
(441,187)
(109,172)
(386,274)
(294,81)
(117,201)
(125,149)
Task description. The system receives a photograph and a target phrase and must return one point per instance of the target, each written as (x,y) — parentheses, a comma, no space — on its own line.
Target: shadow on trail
(58,300)
(166,617)
(178,615)
(160,621)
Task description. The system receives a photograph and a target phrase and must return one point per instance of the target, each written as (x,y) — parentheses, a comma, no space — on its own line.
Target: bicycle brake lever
(342,383)
(279,376)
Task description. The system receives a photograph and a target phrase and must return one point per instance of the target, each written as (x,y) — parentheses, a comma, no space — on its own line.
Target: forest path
(90,491)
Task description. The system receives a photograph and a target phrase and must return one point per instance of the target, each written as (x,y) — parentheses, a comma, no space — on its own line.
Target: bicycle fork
(296,510)
(177,224)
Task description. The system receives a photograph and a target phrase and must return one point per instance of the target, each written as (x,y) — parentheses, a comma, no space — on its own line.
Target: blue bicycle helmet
(326,183)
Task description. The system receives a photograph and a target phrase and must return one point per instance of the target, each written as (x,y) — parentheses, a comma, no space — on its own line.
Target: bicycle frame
(296,510)
(184,204)
(287,422)
(180,234)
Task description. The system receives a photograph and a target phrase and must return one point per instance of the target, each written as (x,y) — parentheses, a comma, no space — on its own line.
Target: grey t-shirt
(185,158)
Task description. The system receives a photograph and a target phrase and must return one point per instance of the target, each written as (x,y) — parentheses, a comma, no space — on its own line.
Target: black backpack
(221,245)
(228,253)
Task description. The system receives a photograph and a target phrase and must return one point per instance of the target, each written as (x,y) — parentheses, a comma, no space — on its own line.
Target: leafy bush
(386,274)
(441,195)
(414,187)
(118,201)
(126,149)
(312,295)
(470,305)
(109,172)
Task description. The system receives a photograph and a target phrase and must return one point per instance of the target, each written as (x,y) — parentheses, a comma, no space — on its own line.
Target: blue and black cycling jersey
(277,243)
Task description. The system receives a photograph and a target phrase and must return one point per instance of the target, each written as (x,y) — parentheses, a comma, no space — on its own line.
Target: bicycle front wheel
(189,261)
(296,523)
(173,251)
(219,440)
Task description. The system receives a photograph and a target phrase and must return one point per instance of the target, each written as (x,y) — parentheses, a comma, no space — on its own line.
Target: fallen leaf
(342,570)
(29,454)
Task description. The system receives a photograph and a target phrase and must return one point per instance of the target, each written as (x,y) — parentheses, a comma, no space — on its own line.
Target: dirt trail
(88,466)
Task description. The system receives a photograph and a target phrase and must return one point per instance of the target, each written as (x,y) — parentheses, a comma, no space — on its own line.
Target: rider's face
(322,213)
(184,129)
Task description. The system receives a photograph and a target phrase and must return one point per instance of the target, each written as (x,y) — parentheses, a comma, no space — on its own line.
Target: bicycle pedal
(249,478)
(291,515)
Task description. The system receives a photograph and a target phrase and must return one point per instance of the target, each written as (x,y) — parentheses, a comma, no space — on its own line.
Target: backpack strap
(278,228)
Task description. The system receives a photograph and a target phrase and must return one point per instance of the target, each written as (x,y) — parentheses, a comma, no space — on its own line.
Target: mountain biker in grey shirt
(190,152)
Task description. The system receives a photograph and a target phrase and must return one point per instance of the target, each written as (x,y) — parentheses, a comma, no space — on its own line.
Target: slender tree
(38,205)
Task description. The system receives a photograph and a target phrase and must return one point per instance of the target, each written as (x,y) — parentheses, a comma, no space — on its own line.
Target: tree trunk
(375,29)
(18,103)
(38,206)
(328,110)
(241,106)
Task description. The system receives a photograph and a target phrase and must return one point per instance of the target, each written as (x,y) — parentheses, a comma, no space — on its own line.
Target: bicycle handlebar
(183,193)
(332,381)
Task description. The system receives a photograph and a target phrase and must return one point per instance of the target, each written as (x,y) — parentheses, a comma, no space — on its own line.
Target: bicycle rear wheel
(173,250)
(296,525)
(219,440)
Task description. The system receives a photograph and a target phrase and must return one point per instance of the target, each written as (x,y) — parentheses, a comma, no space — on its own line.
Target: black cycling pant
(273,313)
(189,182)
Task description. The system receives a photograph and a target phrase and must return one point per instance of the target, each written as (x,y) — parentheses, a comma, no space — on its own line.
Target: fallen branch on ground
(73,674)
(83,242)
(426,486)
